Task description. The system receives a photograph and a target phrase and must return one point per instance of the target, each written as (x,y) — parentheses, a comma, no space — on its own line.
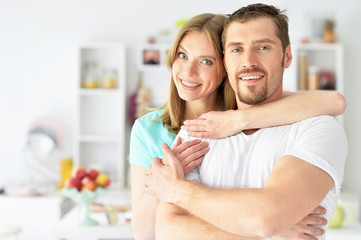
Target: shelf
(100,138)
(99,92)
(319,46)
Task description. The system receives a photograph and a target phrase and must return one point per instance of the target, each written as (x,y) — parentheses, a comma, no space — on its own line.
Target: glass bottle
(109,79)
(90,79)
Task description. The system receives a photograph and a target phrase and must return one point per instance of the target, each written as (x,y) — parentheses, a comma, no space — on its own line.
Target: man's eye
(264,48)
(182,56)
(207,61)
(236,50)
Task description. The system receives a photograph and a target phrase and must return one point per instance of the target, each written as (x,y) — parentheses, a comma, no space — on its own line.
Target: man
(274,176)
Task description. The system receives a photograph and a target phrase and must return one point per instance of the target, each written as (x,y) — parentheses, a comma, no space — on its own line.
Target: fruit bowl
(84,186)
(84,197)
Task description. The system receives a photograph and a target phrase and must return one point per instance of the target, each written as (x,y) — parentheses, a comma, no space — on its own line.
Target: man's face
(255,61)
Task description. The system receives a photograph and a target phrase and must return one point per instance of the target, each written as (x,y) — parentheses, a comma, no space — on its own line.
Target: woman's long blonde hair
(174,108)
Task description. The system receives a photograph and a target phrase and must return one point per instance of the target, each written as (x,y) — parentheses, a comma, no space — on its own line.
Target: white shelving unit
(327,57)
(100,122)
(155,75)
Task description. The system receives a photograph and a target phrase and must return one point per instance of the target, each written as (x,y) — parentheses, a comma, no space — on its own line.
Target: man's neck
(274,97)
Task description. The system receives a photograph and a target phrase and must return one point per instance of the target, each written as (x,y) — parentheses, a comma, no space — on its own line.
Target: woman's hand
(308,228)
(215,124)
(190,154)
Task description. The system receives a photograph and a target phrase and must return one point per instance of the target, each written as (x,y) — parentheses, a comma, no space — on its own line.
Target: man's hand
(190,154)
(215,124)
(308,228)
(162,176)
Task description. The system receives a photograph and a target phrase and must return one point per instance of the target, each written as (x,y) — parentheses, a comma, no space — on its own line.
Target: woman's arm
(293,107)
(143,206)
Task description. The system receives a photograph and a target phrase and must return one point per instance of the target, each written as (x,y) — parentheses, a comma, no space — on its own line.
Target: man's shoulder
(323,121)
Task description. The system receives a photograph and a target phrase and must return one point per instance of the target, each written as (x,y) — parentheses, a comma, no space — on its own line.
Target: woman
(198,86)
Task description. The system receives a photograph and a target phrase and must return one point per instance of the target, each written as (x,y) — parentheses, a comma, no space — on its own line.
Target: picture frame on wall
(151,56)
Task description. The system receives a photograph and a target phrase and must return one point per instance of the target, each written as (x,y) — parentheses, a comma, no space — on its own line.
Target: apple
(92,173)
(78,172)
(73,183)
(89,184)
(103,180)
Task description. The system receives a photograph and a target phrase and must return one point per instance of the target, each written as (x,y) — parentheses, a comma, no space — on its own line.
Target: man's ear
(288,57)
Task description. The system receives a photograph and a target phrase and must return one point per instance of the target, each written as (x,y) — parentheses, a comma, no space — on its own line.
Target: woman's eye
(207,61)
(182,56)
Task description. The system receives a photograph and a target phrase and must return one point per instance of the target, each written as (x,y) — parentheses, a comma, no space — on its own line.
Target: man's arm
(293,189)
(175,223)
(266,211)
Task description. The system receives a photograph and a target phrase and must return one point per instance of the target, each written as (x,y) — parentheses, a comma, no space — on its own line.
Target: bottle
(302,71)
(313,77)
(90,79)
(109,79)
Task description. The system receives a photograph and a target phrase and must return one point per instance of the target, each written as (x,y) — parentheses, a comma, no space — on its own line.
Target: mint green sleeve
(139,153)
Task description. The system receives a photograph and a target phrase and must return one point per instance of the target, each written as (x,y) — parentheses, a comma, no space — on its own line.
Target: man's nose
(249,59)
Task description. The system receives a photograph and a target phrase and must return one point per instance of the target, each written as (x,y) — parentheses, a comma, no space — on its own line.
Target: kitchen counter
(67,228)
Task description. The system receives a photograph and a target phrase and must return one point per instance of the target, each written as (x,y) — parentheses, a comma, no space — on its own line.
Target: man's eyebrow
(264,40)
(231,44)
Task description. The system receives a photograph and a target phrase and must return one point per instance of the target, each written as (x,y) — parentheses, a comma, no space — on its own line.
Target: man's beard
(254,98)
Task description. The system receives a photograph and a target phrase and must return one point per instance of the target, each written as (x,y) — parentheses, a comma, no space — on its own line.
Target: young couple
(261,181)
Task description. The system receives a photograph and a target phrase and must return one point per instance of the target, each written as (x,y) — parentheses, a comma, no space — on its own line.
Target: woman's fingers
(183,146)
(187,168)
(193,152)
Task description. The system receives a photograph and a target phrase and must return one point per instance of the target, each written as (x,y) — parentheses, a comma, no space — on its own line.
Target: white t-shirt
(245,161)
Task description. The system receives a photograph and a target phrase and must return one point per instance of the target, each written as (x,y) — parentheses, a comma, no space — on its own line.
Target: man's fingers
(155,162)
(314,231)
(314,220)
(168,154)
(319,210)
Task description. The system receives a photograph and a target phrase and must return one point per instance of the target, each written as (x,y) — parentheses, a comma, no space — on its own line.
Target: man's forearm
(281,203)
(176,223)
(222,207)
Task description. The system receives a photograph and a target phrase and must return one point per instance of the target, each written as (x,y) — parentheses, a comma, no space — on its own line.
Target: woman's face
(195,70)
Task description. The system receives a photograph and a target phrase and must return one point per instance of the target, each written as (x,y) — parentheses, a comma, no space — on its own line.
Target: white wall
(38,39)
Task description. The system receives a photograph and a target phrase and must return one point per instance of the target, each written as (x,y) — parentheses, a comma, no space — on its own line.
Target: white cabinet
(326,60)
(152,70)
(100,121)
(320,66)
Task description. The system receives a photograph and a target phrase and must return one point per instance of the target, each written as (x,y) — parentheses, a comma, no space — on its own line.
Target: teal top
(146,139)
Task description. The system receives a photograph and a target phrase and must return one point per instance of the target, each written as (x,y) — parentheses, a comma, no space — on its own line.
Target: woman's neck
(196,108)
